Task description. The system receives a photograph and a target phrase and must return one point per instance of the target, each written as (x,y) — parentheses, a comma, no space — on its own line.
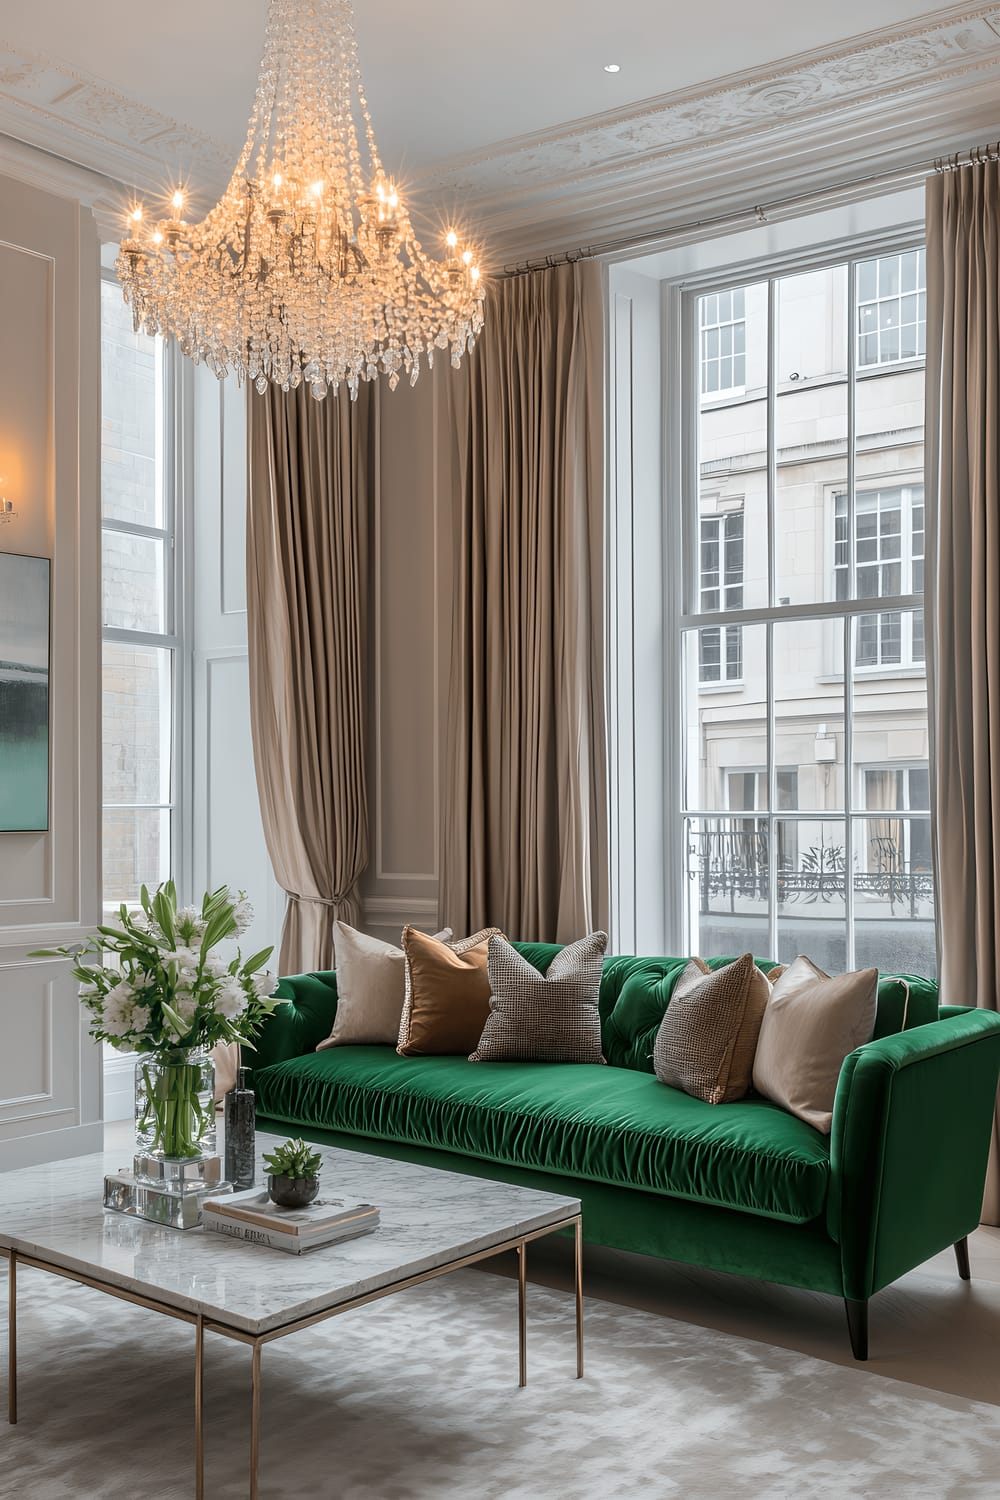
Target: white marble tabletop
(429,1218)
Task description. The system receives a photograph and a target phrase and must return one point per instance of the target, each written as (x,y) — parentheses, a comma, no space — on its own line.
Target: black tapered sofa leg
(857,1326)
(962,1256)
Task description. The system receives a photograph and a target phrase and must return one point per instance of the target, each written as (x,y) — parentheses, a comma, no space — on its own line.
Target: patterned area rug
(415,1398)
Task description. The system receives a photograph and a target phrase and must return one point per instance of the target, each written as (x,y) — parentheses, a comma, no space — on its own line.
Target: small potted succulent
(293,1174)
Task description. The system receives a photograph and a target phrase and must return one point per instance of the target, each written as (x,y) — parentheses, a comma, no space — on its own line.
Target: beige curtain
(307,571)
(524,840)
(963,592)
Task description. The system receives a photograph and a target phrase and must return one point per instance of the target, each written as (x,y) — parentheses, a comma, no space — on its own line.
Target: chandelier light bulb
(467,257)
(328,286)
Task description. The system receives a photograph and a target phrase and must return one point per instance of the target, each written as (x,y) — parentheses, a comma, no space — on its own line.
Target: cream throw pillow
(371,985)
(811,1023)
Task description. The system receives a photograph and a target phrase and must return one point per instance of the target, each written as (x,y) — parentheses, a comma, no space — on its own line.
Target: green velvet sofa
(743,1187)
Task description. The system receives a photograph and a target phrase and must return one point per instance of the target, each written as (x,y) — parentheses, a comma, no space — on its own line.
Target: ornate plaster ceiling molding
(592,170)
(652,137)
(72,115)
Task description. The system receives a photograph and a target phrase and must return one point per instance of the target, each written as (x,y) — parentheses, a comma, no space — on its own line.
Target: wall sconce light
(7,511)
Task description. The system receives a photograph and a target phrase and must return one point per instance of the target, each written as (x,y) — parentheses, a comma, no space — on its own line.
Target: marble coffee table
(432,1222)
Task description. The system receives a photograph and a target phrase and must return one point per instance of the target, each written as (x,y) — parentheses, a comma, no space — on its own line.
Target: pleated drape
(524,842)
(963,586)
(308,520)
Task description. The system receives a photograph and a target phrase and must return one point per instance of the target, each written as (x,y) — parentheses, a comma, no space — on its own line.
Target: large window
(721,564)
(804,788)
(138,607)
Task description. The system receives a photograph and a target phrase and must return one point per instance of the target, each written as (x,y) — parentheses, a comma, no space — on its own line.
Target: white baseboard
(51,1145)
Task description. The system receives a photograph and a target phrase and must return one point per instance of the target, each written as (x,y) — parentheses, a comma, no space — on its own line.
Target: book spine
(291,1244)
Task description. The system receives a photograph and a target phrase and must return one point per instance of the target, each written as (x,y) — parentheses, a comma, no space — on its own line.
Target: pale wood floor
(930,1328)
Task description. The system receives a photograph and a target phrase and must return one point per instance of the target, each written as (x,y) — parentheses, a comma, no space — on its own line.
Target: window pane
(132,581)
(809,710)
(811,891)
(732,435)
(137,696)
(130,404)
(725,733)
(890,722)
(810,427)
(136,851)
(727,863)
(894,895)
(888,276)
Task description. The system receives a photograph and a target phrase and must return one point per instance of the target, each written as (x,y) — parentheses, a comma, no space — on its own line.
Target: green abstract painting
(24,693)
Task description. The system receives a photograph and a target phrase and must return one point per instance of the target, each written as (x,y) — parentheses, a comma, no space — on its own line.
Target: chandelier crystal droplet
(307,269)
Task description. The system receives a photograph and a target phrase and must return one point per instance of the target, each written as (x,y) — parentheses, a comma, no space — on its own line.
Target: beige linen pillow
(447,993)
(371,986)
(811,1023)
(708,1036)
(551,1017)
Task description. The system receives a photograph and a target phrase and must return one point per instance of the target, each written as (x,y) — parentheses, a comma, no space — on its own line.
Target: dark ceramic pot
(292,1192)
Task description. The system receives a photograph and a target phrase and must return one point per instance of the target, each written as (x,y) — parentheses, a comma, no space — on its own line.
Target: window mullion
(772,783)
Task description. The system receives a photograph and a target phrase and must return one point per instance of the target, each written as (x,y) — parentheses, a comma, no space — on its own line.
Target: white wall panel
(50,1071)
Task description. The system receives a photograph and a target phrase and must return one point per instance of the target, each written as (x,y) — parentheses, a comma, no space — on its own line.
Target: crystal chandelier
(307,269)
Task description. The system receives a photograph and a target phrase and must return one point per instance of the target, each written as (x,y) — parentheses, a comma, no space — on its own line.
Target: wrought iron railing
(730,863)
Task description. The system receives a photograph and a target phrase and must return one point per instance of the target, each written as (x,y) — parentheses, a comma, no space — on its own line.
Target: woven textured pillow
(544,1018)
(371,987)
(708,1036)
(813,1020)
(447,995)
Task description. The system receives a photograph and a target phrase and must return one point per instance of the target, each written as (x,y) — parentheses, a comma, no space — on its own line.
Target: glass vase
(175,1105)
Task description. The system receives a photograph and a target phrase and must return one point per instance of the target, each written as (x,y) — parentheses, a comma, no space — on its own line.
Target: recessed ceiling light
(612,67)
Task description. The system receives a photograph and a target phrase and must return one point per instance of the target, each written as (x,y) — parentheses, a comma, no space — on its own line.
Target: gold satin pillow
(447,999)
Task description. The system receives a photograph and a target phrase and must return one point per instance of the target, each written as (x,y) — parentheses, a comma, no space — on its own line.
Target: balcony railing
(729,859)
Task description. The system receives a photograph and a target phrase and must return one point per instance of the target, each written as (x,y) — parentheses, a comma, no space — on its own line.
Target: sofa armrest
(911,1131)
(296,1027)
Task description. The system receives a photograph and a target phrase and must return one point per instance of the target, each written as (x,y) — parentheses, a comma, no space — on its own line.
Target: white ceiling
(444,77)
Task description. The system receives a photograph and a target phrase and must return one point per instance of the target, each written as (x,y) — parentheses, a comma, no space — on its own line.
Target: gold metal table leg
(578,1258)
(12,1337)
(254,1420)
(199,1404)
(522,1312)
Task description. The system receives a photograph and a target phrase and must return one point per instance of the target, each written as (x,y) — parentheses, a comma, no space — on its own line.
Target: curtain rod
(758,213)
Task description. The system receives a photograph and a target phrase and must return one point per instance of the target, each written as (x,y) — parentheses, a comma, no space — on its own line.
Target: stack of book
(251,1216)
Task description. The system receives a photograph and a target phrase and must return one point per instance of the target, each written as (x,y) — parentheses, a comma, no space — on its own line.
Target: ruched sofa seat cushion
(604,1124)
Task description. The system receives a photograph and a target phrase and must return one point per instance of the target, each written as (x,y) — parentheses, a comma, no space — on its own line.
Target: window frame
(172,637)
(682,499)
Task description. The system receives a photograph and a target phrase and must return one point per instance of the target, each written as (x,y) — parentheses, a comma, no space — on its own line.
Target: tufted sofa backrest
(635,991)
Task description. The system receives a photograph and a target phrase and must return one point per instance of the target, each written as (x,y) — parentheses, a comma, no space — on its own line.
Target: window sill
(876,674)
(735,686)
